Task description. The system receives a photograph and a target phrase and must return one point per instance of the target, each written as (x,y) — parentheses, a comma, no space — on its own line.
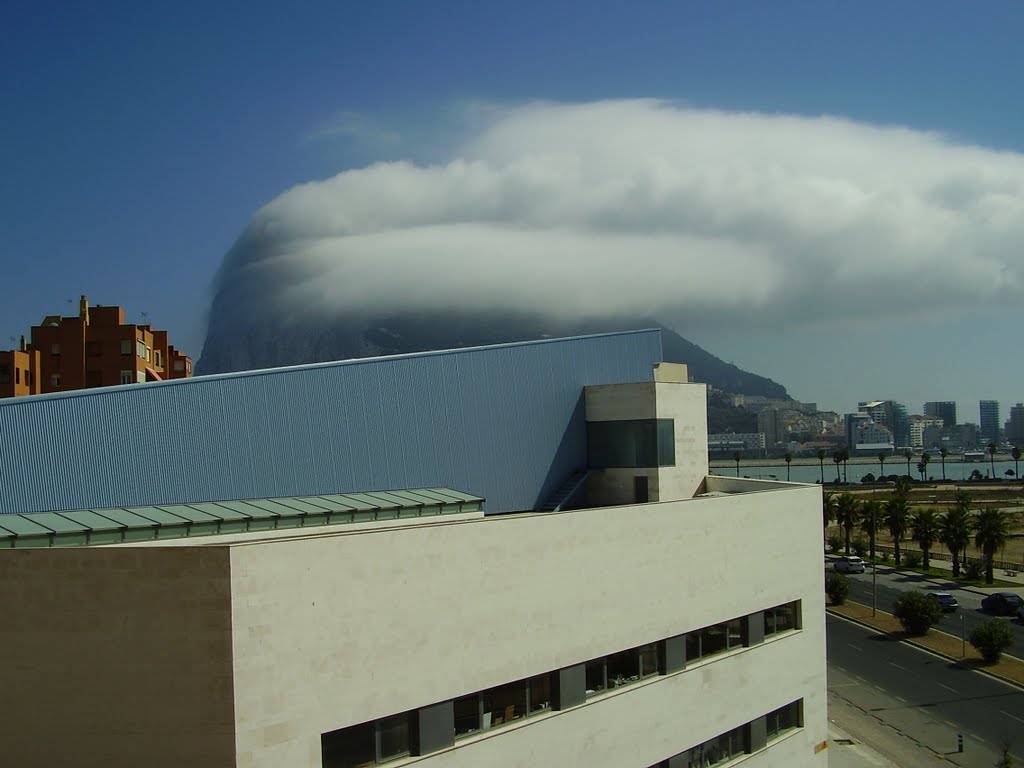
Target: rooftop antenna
(145,318)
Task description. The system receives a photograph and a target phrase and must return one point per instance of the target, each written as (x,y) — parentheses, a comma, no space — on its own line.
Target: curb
(926,649)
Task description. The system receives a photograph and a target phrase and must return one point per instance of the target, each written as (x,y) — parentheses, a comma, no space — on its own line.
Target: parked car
(1002,603)
(945,600)
(849,564)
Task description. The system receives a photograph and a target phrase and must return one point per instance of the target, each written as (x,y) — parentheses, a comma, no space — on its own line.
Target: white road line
(1009,715)
(856,648)
(954,690)
(894,664)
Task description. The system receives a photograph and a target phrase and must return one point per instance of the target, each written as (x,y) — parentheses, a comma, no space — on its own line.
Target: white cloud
(644,206)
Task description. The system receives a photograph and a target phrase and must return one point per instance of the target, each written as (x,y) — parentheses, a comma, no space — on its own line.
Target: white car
(849,564)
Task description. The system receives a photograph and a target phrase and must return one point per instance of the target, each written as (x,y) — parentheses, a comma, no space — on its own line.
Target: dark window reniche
(631,444)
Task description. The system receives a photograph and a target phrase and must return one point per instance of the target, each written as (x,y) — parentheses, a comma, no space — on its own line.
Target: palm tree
(844,456)
(955,533)
(992,460)
(837,457)
(921,467)
(991,529)
(943,452)
(924,529)
(789,459)
(821,463)
(908,455)
(847,514)
(925,459)
(736,457)
(881,465)
(897,513)
(902,488)
(870,511)
(1015,453)
(828,508)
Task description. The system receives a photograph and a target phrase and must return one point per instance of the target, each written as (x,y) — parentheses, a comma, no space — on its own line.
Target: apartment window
(55,380)
(467,715)
(367,744)
(782,618)
(179,365)
(17,376)
(631,444)
(720,749)
(539,693)
(783,719)
(504,704)
(93,349)
(127,377)
(718,638)
(597,680)
(158,357)
(126,346)
(55,349)
(140,349)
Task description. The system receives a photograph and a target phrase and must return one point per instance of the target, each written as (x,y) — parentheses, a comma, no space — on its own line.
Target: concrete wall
(116,657)
(336,630)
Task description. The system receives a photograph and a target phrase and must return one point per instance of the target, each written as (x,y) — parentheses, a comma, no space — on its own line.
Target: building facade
(639,623)
(1015,426)
(96,348)
(988,423)
(942,409)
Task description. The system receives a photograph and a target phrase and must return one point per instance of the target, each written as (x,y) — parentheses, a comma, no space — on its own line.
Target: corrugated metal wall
(503,422)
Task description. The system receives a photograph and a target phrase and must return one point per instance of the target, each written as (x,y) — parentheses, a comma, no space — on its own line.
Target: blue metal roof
(503,422)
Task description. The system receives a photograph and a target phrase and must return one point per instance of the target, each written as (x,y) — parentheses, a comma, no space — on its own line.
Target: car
(1002,603)
(849,564)
(1020,614)
(945,600)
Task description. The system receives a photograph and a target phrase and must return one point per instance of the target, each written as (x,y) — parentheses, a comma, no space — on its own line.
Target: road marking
(856,647)
(954,690)
(894,664)
(1013,716)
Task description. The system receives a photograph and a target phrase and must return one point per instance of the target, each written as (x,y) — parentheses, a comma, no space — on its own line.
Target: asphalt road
(924,697)
(891,583)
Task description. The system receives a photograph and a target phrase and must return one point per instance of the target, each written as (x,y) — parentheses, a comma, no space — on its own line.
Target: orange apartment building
(96,348)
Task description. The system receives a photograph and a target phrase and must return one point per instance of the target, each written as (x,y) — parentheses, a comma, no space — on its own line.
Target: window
(55,380)
(367,744)
(55,349)
(126,346)
(540,693)
(127,377)
(158,357)
(631,444)
(17,376)
(717,638)
(5,374)
(140,350)
(504,704)
(596,679)
(93,349)
(782,719)
(467,715)
(719,750)
(179,365)
(782,618)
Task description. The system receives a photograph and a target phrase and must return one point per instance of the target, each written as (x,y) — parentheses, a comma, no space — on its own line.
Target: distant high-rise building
(892,416)
(772,424)
(988,424)
(1015,426)
(942,409)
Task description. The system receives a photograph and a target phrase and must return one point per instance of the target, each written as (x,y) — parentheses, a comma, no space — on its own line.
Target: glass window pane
(623,668)
(734,631)
(769,622)
(666,443)
(785,617)
(504,704)
(467,715)
(353,747)
(540,693)
(713,639)
(595,676)
(648,659)
(693,646)
(394,736)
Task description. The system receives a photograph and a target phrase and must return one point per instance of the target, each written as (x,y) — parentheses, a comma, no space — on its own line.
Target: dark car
(1002,603)
(945,600)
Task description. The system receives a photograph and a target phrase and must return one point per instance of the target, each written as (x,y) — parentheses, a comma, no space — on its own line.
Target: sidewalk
(844,751)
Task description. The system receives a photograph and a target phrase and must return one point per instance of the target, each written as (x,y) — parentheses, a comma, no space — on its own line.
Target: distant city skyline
(823,195)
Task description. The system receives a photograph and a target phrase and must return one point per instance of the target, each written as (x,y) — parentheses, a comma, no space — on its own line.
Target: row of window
(5,375)
(95,349)
(743,740)
(440,725)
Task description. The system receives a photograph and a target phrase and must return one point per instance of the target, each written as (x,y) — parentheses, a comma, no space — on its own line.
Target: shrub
(916,612)
(837,587)
(868,478)
(991,638)
(974,570)
(912,559)
(835,543)
(860,547)
(885,557)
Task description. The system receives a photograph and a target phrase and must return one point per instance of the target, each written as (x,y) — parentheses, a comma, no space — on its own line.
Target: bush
(837,587)
(835,543)
(991,638)
(916,612)
(868,478)
(974,570)
(860,547)
(885,557)
(912,559)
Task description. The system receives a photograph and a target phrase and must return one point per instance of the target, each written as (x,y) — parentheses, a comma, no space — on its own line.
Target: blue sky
(137,140)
